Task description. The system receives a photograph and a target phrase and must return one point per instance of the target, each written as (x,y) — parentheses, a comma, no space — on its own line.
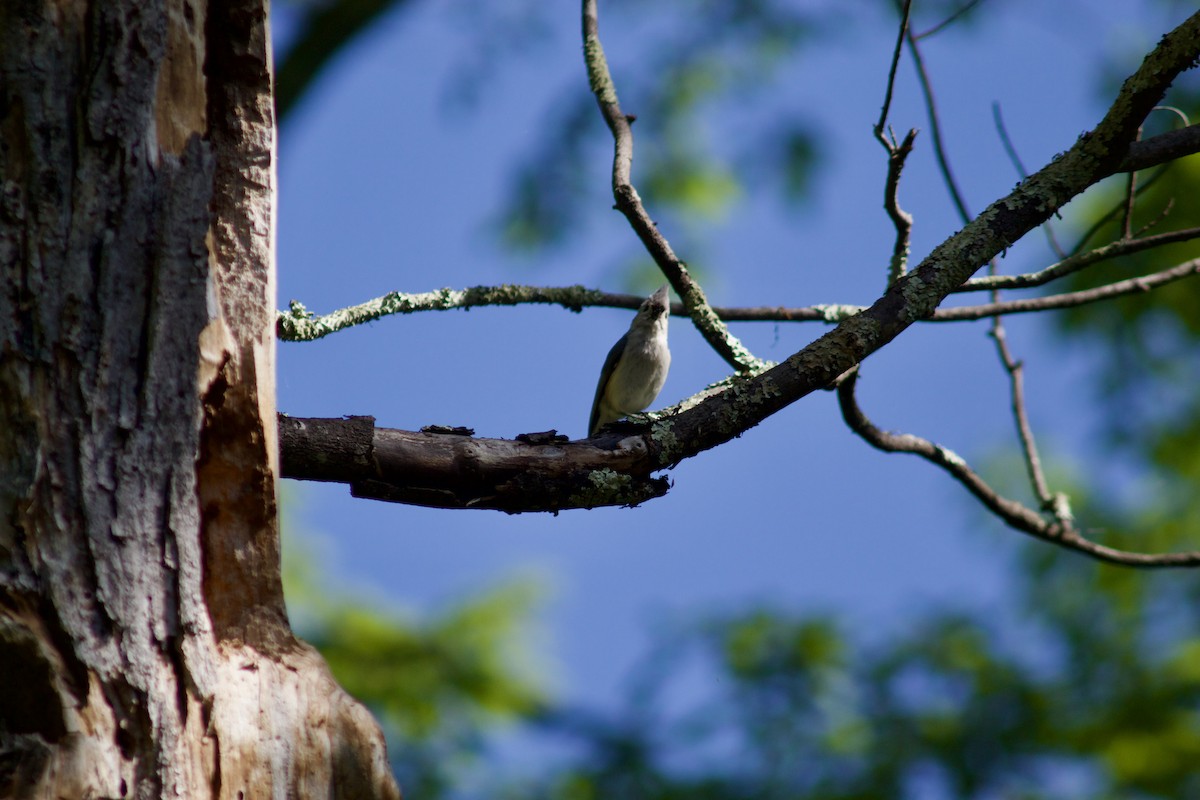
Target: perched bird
(636,367)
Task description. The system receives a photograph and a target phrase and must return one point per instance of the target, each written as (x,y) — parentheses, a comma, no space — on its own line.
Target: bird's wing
(610,364)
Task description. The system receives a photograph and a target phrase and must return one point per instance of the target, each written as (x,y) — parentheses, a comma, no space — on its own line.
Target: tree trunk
(144,644)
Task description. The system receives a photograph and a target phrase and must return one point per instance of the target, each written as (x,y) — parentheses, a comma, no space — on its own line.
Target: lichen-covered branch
(902,221)
(298,324)
(714,331)
(1057,529)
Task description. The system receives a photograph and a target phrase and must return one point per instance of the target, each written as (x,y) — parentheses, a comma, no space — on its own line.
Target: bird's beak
(662,296)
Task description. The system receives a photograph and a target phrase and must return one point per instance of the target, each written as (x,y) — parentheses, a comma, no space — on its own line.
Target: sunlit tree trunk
(145,649)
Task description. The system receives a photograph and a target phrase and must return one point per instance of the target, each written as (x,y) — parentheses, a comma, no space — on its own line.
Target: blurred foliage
(1149,377)
(1092,691)
(1090,699)
(797,709)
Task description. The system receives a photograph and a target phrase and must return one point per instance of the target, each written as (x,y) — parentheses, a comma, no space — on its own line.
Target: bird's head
(657,304)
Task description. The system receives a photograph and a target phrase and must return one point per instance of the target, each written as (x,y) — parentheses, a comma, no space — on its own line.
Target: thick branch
(1059,531)
(1161,148)
(453,470)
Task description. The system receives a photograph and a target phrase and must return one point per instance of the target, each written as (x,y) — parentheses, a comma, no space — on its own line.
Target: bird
(636,367)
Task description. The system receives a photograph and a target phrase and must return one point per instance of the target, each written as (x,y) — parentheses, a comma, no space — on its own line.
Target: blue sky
(385,185)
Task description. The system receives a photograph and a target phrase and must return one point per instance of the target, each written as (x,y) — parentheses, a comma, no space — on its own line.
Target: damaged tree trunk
(145,649)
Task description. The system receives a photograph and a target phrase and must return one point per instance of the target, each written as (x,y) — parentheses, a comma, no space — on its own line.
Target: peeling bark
(144,642)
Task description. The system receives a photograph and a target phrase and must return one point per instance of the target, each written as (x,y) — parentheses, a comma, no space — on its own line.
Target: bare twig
(1130,199)
(1162,215)
(881,125)
(1077,262)
(1015,158)
(1059,530)
(1117,208)
(948,21)
(935,125)
(1136,285)
(715,332)
(1016,378)
(1011,367)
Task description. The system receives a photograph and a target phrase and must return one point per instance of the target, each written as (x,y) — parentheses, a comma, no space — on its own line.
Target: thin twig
(715,332)
(1059,530)
(891,79)
(1016,377)
(1011,367)
(939,148)
(1077,262)
(1143,283)
(1015,158)
(1130,198)
(947,21)
(1117,208)
(1162,215)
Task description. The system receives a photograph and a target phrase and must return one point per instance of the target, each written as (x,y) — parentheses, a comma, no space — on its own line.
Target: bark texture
(454,469)
(144,643)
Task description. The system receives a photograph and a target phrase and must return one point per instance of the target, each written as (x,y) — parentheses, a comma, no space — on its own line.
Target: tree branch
(916,295)
(1143,283)
(935,124)
(1077,262)
(1016,380)
(902,221)
(714,331)
(1160,149)
(298,324)
(441,469)
(1060,531)
(1022,173)
(619,460)
(880,126)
